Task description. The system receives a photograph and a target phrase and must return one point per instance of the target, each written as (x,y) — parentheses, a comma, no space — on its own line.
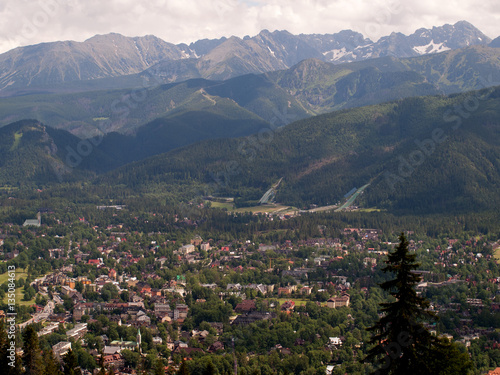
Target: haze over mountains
(114,55)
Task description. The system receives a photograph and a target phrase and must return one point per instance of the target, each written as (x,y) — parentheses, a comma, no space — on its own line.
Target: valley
(253,205)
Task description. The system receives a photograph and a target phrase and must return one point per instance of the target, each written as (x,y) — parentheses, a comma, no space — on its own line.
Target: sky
(26,22)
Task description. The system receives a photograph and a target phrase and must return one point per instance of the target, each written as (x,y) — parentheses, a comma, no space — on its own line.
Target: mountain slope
(33,154)
(101,56)
(46,65)
(310,87)
(218,119)
(348,46)
(322,158)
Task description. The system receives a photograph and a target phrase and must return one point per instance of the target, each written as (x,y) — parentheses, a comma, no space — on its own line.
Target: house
(258,287)
(329,369)
(112,350)
(336,302)
(335,341)
(306,290)
(288,306)
(371,262)
(95,262)
(61,348)
(253,317)
(188,351)
(216,346)
(186,249)
(196,241)
(182,311)
(34,222)
(142,318)
(286,289)
(114,360)
(245,306)
(162,309)
(219,327)
(112,274)
(77,332)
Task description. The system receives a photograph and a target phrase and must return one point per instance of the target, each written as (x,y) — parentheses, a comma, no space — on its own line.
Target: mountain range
(233,116)
(46,65)
(419,155)
(309,88)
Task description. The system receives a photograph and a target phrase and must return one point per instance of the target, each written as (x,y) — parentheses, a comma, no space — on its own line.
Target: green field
(298,301)
(373,209)
(17,140)
(20,272)
(496,252)
(222,205)
(269,208)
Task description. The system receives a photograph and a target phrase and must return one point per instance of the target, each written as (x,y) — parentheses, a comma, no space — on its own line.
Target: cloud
(189,20)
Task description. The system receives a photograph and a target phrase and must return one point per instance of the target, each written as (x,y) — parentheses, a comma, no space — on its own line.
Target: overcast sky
(26,22)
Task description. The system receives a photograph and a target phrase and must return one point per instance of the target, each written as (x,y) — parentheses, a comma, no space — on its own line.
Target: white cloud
(188,20)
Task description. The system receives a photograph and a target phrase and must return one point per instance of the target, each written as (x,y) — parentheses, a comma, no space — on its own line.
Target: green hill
(322,158)
(33,154)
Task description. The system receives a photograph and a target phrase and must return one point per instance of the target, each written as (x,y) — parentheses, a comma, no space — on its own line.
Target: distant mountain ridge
(308,88)
(114,55)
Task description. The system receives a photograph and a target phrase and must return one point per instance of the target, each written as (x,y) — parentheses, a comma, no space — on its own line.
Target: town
(130,300)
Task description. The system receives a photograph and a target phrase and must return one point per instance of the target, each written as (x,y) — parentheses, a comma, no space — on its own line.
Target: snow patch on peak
(430,48)
(336,54)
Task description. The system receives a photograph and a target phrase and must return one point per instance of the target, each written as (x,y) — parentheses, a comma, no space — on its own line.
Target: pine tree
(402,341)
(4,345)
(183,370)
(210,369)
(159,368)
(5,361)
(52,366)
(32,357)
(70,364)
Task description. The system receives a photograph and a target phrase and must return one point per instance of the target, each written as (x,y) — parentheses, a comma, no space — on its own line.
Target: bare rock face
(114,55)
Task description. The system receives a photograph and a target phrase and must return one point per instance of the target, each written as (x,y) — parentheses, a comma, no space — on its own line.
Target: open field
(323,208)
(496,251)
(20,273)
(372,209)
(269,208)
(298,301)
(222,205)
(17,140)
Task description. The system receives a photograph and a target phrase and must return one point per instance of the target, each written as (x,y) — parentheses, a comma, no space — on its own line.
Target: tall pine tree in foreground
(402,343)
(70,364)
(32,356)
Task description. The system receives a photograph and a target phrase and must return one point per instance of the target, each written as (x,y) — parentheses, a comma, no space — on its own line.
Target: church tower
(139,339)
